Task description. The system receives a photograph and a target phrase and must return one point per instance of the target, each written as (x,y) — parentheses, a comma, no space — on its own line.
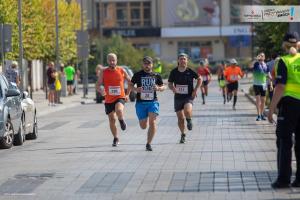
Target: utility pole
(57,36)
(101,7)
(22,79)
(84,58)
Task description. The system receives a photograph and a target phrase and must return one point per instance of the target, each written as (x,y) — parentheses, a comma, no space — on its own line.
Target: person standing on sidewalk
(147,106)
(233,74)
(70,73)
(270,82)
(113,79)
(181,81)
(12,73)
(260,75)
(51,83)
(221,80)
(205,74)
(287,98)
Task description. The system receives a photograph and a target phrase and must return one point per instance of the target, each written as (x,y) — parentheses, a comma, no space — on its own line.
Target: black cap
(183,55)
(201,62)
(148,59)
(291,37)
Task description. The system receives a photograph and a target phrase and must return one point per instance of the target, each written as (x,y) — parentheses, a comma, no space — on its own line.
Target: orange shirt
(232,73)
(113,81)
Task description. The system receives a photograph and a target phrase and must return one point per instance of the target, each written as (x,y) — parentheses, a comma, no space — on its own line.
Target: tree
(38,28)
(126,52)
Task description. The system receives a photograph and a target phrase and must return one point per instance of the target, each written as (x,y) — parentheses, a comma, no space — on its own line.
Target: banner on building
(191,13)
(270,13)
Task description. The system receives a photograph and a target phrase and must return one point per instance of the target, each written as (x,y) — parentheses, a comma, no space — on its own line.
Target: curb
(63,107)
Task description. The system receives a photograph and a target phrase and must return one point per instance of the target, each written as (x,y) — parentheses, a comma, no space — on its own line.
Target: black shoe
(189,124)
(123,125)
(296,183)
(203,102)
(148,147)
(224,101)
(279,185)
(262,117)
(115,142)
(182,139)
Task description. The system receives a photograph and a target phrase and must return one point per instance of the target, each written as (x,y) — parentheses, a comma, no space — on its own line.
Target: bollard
(63,83)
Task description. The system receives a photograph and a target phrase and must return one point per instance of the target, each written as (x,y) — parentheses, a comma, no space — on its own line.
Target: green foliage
(38,28)
(127,54)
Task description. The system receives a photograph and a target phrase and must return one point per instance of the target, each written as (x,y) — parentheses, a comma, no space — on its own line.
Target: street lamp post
(57,36)
(22,86)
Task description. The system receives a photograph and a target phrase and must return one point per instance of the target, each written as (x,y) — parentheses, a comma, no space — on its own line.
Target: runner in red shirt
(204,72)
(113,79)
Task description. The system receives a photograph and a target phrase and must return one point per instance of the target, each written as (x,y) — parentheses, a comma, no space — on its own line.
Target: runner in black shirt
(147,106)
(181,81)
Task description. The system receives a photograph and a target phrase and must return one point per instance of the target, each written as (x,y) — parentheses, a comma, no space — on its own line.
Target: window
(121,14)
(133,14)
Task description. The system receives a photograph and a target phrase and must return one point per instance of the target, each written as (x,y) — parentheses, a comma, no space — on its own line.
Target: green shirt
(70,72)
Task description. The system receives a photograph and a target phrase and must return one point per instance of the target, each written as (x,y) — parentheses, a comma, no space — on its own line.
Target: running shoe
(296,183)
(258,118)
(115,142)
(262,117)
(233,108)
(182,139)
(123,124)
(278,185)
(189,124)
(148,147)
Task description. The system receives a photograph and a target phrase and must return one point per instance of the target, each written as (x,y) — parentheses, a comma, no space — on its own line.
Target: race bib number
(147,95)
(182,89)
(114,90)
(204,78)
(234,77)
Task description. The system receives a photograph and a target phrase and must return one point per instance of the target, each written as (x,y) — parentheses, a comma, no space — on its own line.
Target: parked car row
(132,95)
(18,117)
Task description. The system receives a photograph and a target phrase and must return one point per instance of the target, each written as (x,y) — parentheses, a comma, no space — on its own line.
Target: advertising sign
(270,14)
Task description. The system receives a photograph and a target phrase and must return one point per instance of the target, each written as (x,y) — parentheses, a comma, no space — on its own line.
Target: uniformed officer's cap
(291,37)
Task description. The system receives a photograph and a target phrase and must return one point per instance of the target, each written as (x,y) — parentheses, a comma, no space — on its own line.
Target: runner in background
(221,79)
(260,75)
(233,74)
(205,74)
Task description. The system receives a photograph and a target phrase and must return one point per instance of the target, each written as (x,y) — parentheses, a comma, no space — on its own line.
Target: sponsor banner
(270,13)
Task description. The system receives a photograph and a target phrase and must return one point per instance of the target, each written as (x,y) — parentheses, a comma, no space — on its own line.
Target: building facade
(200,28)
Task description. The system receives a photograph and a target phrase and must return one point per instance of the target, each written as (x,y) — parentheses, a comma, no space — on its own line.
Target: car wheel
(6,141)
(20,137)
(34,134)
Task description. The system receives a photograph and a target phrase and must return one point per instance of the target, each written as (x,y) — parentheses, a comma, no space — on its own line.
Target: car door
(13,104)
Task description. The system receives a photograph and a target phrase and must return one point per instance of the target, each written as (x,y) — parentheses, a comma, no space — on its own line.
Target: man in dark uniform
(287,98)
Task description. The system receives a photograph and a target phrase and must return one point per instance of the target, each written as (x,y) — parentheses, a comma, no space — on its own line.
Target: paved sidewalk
(43,108)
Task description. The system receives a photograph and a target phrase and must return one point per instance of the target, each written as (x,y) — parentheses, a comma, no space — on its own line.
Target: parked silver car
(11,127)
(29,117)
